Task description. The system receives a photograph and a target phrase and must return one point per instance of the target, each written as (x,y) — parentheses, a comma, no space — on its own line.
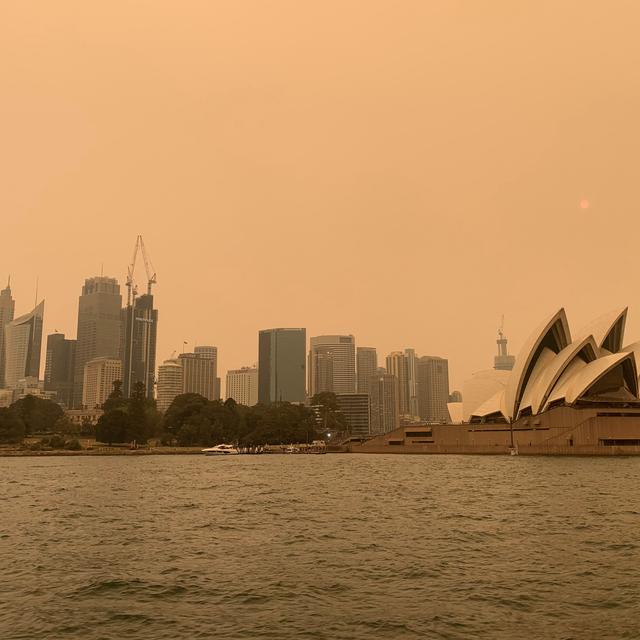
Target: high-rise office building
(412,382)
(367,365)
(281,365)
(208,351)
(23,344)
(7,309)
(433,388)
(138,347)
(97,384)
(397,366)
(342,352)
(199,373)
(355,409)
(59,367)
(384,403)
(99,327)
(170,383)
(242,385)
(320,369)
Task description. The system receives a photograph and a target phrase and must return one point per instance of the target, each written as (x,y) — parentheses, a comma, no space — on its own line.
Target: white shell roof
(578,379)
(557,328)
(495,404)
(539,389)
(601,327)
(542,365)
(481,387)
(551,368)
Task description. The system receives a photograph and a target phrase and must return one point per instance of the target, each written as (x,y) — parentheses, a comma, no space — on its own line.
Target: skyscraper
(367,361)
(59,367)
(23,344)
(397,366)
(199,372)
(138,349)
(320,370)
(342,351)
(7,309)
(170,383)
(99,326)
(412,382)
(384,403)
(98,379)
(433,388)
(242,385)
(281,365)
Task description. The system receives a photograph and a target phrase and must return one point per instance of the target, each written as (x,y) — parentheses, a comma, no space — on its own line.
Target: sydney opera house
(565,395)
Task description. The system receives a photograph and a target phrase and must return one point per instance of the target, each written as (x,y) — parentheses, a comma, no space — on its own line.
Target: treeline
(191,420)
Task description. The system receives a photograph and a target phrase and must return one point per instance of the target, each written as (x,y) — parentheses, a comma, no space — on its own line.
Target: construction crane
(148,265)
(132,289)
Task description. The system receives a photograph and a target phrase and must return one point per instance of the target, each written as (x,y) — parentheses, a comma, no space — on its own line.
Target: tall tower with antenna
(503,361)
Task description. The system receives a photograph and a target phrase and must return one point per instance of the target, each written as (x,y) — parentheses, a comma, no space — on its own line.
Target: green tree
(113,426)
(116,399)
(38,414)
(65,426)
(197,430)
(12,427)
(137,410)
(183,407)
(280,423)
(331,419)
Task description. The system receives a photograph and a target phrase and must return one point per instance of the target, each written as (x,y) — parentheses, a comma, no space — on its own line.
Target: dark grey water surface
(334,546)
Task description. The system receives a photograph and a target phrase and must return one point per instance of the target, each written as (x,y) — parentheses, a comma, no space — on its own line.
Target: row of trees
(191,420)
(30,415)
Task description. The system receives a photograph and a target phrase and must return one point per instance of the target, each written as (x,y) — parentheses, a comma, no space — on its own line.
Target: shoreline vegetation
(101,451)
(133,426)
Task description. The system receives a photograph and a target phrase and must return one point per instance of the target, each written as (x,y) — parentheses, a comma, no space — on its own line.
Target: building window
(620,442)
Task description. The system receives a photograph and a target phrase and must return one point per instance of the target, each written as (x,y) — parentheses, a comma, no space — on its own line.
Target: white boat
(221,450)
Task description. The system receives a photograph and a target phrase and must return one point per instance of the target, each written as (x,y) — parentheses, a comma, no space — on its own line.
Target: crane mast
(145,320)
(132,289)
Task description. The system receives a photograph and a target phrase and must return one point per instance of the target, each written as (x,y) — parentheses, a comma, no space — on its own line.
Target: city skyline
(455,381)
(456,378)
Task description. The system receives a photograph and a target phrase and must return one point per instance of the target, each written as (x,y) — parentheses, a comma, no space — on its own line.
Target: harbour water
(335,546)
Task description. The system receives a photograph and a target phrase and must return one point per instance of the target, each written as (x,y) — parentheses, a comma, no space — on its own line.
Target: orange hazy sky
(406,171)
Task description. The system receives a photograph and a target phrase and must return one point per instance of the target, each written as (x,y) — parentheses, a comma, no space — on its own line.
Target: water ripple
(319,547)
